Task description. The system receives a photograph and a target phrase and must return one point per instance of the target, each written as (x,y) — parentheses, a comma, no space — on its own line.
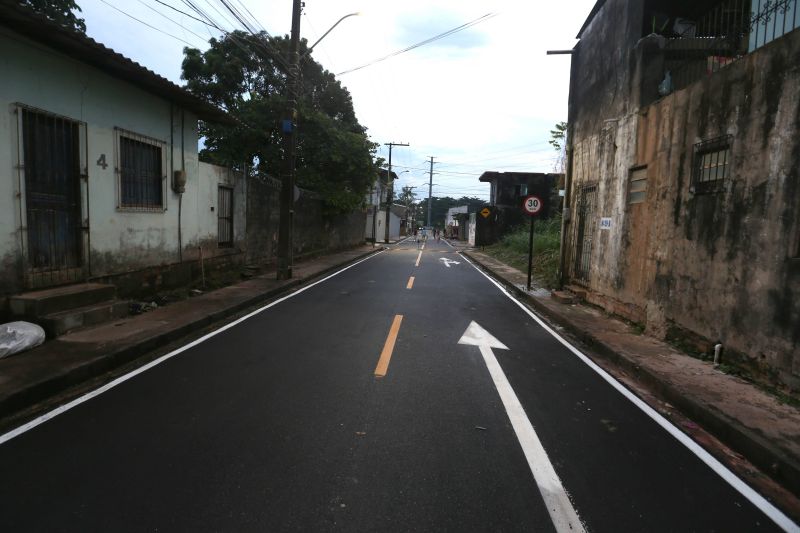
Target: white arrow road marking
(562,513)
(447,262)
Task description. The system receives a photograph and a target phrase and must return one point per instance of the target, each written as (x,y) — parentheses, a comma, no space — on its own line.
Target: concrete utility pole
(286,229)
(430,190)
(390,187)
(289,127)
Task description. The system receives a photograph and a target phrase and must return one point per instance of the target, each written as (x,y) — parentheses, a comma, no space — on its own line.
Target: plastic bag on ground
(19,336)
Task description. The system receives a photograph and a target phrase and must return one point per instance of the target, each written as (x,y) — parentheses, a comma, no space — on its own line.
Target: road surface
(405,393)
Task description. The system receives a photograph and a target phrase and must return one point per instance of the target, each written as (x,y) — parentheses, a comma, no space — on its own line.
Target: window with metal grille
(711,165)
(141,172)
(637,185)
(224,216)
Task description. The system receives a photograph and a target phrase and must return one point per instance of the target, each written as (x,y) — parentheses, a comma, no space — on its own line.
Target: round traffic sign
(532,205)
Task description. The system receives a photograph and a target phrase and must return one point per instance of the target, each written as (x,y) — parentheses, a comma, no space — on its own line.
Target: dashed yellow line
(418,258)
(410,282)
(388,348)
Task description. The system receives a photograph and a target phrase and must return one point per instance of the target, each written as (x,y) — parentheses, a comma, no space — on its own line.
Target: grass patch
(512,249)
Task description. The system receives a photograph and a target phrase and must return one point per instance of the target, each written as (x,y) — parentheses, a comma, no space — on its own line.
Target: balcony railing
(732,29)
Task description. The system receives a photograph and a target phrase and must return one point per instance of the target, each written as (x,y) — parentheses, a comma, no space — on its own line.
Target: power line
(185,13)
(457,29)
(238,16)
(255,20)
(171,20)
(146,24)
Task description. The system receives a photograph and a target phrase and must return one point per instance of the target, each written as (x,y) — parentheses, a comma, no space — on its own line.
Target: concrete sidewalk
(742,416)
(39,375)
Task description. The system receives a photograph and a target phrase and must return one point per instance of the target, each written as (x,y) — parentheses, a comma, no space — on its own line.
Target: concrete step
(578,291)
(33,305)
(563,297)
(57,324)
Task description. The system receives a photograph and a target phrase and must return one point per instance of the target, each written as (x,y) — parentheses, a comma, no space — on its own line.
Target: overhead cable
(423,43)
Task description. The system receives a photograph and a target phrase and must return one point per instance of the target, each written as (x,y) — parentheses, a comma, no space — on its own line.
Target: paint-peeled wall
(721,266)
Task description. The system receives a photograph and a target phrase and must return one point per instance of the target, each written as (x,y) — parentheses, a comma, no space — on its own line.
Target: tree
(407,196)
(59,11)
(246,75)
(558,140)
(440,205)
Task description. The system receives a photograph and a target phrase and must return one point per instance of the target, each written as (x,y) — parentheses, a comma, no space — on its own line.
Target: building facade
(99,172)
(684,174)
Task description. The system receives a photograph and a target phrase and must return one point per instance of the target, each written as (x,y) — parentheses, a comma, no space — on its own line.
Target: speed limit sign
(532,205)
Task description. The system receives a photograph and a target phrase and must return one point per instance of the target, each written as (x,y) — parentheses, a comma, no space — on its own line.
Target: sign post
(531,207)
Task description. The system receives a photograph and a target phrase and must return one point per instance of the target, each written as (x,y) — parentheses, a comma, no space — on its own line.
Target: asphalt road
(279,423)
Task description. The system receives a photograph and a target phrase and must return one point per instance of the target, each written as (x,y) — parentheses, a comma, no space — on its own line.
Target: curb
(38,392)
(752,446)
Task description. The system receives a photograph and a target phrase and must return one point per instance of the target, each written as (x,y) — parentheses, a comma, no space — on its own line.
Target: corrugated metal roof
(82,48)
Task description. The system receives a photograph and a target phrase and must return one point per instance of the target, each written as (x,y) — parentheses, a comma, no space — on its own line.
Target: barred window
(141,172)
(711,165)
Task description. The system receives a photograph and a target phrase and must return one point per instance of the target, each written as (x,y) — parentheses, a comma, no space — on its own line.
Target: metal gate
(51,148)
(586,227)
(224,216)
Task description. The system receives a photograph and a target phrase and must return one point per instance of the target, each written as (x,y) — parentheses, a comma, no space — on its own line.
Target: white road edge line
(448,243)
(774,514)
(110,385)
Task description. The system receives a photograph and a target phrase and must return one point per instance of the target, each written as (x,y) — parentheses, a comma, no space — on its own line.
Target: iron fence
(732,29)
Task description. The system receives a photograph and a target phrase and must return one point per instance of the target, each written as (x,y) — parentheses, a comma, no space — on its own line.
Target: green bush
(513,250)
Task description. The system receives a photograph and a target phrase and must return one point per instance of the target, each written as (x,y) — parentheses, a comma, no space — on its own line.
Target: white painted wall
(120,240)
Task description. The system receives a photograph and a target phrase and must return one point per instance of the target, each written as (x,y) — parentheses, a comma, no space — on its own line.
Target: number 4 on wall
(101,161)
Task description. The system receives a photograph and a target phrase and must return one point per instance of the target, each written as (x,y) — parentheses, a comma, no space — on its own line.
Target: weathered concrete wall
(313,232)
(722,266)
(120,240)
(604,55)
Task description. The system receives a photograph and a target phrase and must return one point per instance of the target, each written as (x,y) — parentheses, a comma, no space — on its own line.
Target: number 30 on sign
(532,205)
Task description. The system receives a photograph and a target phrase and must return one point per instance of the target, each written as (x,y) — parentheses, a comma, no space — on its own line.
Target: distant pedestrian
(416,239)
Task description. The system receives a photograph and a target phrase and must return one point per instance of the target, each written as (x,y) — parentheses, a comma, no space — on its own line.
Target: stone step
(57,324)
(37,304)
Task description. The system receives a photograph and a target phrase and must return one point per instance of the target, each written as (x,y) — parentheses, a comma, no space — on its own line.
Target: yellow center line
(418,258)
(410,282)
(388,348)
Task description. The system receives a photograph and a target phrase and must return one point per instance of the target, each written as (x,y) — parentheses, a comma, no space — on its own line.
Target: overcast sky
(482,99)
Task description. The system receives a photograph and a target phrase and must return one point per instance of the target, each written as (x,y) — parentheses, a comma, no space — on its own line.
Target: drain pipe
(717,352)
(202,266)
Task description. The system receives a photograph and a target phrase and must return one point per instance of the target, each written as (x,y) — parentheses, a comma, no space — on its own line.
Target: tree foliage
(558,140)
(407,196)
(246,75)
(440,205)
(59,11)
